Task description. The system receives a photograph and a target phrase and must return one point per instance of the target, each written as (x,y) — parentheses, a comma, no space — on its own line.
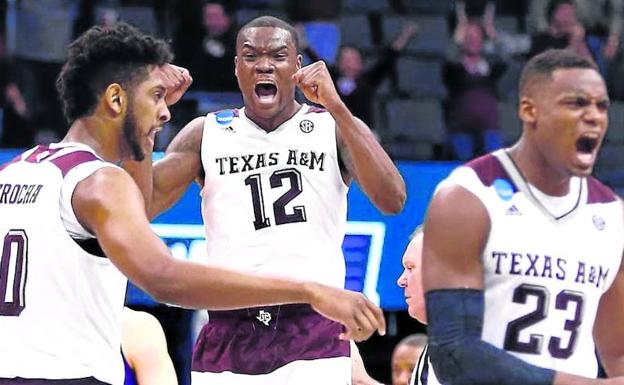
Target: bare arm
(609,339)
(456,231)
(145,348)
(123,232)
(359,375)
(363,156)
(163,183)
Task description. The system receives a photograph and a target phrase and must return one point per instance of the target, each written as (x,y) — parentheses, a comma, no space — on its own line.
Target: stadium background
(407,116)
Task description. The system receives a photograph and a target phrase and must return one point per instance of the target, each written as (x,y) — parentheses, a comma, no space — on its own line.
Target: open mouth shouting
(587,148)
(266,91)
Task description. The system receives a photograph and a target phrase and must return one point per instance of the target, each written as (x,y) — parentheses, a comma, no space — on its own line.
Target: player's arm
(456,231)
(164,182)
(609,339)
(364,158)
(123,232)
(359,375)
(145,348)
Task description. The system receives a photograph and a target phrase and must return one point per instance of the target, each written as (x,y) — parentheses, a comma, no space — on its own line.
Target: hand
(611,47)
(317,85)
(176,80)
(360,316)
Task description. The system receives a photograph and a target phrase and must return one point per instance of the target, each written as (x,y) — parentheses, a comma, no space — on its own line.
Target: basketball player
(144,347)
(522,247)
(73,226)
(274,177)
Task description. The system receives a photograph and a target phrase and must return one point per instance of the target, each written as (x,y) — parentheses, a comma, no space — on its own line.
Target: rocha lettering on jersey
(251,162)
(545,266)
(19,193)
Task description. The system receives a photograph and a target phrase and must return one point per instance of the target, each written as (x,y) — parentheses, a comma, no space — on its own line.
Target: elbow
(158,281)
(392,204)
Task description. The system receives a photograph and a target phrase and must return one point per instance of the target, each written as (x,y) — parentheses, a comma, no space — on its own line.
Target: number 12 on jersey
(261,220)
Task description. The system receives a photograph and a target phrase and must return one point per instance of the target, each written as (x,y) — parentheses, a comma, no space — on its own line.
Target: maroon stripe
(39,149)
(238,342)
(66,162)
(488,168)
(598,192)
(315,110)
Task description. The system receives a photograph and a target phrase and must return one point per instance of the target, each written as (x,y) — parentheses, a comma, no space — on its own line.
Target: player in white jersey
(73,225)
(274,177)
(522,247)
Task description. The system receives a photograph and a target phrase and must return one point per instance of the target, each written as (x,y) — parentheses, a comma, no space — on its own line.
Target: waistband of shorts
(284,311)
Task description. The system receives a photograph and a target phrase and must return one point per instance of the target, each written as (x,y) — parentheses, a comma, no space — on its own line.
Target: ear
(236,66)
(299,61)
(115,98)
(527,111)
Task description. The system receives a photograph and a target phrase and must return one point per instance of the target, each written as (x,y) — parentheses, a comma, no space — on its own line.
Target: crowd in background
(471,76)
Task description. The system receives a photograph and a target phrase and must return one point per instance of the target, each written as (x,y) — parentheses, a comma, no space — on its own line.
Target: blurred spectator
(471,109)
(304,11)
(405,356)
(357,85)
(16,130)
(602,20)
(209,55)
(564,30)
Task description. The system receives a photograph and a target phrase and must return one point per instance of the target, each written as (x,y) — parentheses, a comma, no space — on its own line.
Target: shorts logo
(224,117)
(264,317)
(599,222)
(306,126)
(503,189)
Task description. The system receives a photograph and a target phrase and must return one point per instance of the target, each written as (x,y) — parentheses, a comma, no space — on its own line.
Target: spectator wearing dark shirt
(471,109)
(564,30)
(357,84)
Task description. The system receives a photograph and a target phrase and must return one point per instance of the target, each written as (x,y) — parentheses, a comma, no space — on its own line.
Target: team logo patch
(306,126)
(503,189)
(264,317)
(224,117)
(599,222)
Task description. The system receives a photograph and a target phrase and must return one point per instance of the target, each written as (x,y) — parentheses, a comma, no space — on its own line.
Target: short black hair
(270,21)
(552,6)
(103,56)
(547,62)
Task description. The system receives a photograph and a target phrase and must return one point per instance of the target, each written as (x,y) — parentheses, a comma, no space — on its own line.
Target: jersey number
(276,180)
(13,273)
(562,302)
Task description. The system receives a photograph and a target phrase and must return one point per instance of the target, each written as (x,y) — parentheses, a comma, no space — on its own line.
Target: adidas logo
(229,129)
(513,210)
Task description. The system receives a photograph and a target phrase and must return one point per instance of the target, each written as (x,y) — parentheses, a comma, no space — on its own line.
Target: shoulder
(189,138)
(597,192)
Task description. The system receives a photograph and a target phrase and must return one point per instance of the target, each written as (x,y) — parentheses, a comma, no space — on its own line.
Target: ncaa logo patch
(503,189)
(306,126)
(599,222)
(224,117)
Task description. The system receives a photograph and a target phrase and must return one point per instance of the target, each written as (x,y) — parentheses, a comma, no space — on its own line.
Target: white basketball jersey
(60,306)
(274,202)
(544,274)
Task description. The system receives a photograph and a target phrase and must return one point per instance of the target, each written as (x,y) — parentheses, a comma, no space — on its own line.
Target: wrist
(309,291)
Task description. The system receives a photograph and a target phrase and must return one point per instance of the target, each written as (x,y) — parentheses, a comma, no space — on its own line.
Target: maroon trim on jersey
(488,168)
(66,162)
(598,192)
(315,110)
(31,158)
(41,381)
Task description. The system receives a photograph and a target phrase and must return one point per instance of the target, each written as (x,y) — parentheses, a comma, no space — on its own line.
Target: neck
(92,131)
(537,170)
(269,124)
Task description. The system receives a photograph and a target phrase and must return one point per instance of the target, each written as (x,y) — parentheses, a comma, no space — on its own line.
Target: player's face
(411,279)
(571,118)
(404,359)
(146,113)
(266,59)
